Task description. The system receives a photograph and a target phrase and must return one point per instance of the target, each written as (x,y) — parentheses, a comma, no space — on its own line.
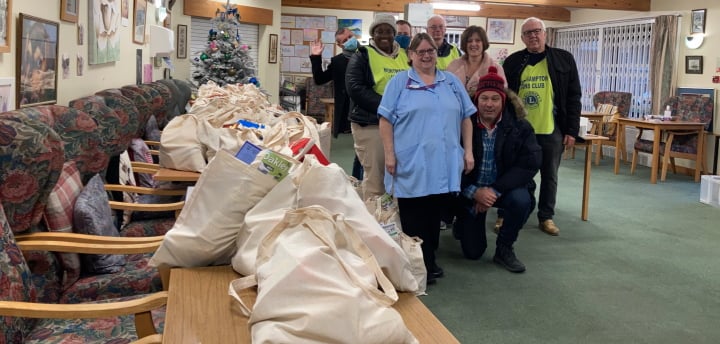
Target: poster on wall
(354,25)
(103,31)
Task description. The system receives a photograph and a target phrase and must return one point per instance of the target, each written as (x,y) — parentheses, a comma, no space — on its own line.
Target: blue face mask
(351,44)
(403,40)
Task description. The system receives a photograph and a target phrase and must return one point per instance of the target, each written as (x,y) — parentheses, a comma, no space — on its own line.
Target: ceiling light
(456,6)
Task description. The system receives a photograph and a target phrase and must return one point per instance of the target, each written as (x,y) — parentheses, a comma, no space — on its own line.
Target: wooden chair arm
(144,167)
(152,143)
(85,238)
(177,206)
(151,339)
(681,133)
(88,248)
(145,190)
(140,307)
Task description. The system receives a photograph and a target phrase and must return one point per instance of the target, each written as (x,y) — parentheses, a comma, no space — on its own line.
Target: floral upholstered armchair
(678,143)
(619,106)
(32,157)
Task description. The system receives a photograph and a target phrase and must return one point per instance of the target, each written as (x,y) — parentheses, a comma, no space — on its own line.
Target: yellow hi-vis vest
(536,91)
(384,68)
(443,62)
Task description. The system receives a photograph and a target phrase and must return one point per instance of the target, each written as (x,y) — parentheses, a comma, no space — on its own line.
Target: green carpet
(642,269)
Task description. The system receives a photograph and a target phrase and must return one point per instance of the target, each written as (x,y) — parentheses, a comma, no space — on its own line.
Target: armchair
(26,320)
(619,106)
(678,143)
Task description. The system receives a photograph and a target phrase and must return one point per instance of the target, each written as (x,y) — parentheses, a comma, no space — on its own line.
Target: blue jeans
(516,208)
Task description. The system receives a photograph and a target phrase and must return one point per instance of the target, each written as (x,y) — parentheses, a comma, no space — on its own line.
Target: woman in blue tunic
(424,114)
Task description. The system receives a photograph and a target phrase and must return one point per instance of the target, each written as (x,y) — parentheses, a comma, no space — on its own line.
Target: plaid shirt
(488,170)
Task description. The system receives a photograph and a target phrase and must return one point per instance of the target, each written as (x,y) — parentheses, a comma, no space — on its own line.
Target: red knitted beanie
(491,82)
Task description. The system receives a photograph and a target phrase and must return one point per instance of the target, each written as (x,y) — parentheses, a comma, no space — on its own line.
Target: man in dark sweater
(335,71)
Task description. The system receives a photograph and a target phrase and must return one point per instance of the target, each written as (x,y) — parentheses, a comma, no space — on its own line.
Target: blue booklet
(248,152)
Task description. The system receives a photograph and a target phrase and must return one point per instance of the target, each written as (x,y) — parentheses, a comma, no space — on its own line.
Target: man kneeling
(507,157)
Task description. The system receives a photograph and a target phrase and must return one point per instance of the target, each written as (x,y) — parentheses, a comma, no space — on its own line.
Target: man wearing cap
(507,157)
(368,72)
(547,81)
(436,27)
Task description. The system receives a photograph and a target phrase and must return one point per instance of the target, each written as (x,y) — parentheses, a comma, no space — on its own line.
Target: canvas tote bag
(318,283)
(180,148)
(206,230)
(312,183)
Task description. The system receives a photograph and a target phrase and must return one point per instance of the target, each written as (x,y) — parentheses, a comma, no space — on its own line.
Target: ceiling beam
(623,5)
(553,10)
(514,12)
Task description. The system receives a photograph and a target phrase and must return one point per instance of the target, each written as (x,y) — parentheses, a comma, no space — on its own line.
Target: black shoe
(506,257)
(435,271)
(431,279)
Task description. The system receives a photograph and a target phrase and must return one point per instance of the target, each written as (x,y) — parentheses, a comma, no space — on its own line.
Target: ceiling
(554,10)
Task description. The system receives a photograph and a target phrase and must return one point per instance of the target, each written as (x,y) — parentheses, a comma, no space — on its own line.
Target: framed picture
(272,56)
(500,31)
(697,21)
(457,21)
(7,94)
(69,10)
(139,18)
(36,61)
(693,64)
(103,32)
(5,21)
(124,13)
(182,41)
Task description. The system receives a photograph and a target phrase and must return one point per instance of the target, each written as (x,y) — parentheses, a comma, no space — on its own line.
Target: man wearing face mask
(404,33)
(335,72)
(368,72)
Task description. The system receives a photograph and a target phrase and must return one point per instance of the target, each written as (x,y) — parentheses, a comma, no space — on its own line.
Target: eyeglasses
(535,32)
(436,27)
(429,52)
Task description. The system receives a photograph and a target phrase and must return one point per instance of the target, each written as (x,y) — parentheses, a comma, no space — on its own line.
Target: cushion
(92,215)
(127,177)
(140,152)
(59,217)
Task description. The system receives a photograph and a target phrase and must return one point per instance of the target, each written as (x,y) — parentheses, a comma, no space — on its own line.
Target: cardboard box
(710,190)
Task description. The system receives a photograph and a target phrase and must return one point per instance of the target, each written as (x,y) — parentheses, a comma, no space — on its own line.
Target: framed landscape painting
(5,20)
(139,18)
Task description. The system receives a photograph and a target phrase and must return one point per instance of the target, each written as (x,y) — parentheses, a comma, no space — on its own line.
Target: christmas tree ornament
(204,56)
(232,71)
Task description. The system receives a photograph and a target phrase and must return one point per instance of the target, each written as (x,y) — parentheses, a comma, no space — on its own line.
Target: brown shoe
(498,225)
(549,227)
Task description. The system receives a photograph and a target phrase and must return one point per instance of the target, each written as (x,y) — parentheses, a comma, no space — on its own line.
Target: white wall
(122,72)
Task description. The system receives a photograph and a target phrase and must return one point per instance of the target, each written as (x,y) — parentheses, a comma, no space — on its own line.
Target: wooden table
(199,310)
(658,126)
(329,109)
(596,119)
(170,175)
(590,140)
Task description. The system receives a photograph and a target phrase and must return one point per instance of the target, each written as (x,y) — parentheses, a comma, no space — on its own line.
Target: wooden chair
(678,143)
(615,104)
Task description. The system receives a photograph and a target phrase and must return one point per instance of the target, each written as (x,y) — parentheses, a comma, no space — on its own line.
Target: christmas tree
(225,59)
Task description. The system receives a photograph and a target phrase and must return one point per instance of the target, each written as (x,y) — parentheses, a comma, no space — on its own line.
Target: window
(612,57)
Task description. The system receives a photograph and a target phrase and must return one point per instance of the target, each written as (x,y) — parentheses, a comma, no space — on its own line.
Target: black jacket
(359,82)
(565,81)
(517,153)
(335,72)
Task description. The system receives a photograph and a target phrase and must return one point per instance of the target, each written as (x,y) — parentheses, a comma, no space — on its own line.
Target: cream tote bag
(328,186)
(180,148)
(207,228)
(318,283)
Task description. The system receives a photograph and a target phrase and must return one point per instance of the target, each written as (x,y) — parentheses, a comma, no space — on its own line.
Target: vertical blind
(612,57)
(200,28)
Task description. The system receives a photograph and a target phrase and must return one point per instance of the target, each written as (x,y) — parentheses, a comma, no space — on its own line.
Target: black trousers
(420,217)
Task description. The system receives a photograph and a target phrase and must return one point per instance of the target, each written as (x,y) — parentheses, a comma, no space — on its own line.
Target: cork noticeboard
(296,34)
